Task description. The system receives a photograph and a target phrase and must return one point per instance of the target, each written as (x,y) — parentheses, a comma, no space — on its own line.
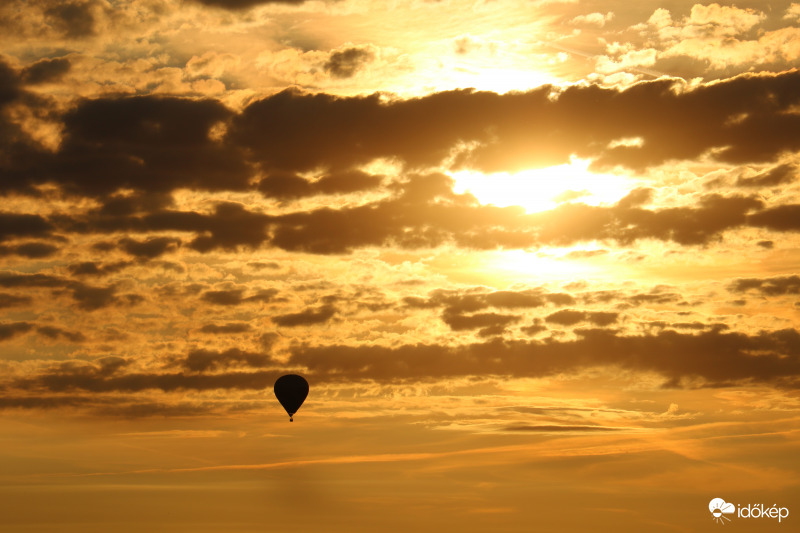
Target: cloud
(91,268)
(710,358)
(427,214)
(777,175)
(205,360)
(154,144)
(224,297)
(715,357)
(570,317)
(236,296)
(307,317)
(22,225)
(768,286)
(44,402)
(45,71)
(293,131)
(725,20)
(779,218)
(94,381)
(55,333)
(593,19)
(228,227)
(92,298)
(344,63)
(73,19)
(245,4)
(458,302)
(479,320)
(231,327)
(31,250)
(87,297)
(159,144)
(286,186)
(12,329)
(150,248)
(13,300)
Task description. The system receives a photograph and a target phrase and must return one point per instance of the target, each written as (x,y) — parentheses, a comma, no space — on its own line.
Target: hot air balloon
(291,390)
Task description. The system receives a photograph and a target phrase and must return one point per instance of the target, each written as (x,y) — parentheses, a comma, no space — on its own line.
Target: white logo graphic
(719,508)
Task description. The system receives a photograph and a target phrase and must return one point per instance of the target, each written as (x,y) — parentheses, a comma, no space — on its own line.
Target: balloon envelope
(291,390)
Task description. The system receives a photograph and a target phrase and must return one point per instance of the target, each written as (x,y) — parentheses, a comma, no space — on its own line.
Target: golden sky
(538,260)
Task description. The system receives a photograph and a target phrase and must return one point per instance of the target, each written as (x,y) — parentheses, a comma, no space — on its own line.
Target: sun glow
(544,188)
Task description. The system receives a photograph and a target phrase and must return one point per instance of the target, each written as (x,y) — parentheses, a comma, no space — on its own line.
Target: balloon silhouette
(291,390)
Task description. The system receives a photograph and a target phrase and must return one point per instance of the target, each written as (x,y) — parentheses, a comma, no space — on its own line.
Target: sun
(544,188)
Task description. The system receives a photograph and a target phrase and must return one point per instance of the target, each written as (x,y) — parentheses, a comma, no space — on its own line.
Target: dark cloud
(150,248)
(287,186)
(44,402)
(536,327)
(138,202)
(91,268)
(259,265)
(457,304)
(710,358)
(769,178)
(231,327)
(698,326)
(92,298)
(153,144)
(55,333)
(263,295)
(224,297)
(345,63)
(244,4)
(205,360)
(73,19)
(13,300)
(746,119)
(20,225)
(90,379)
(307,317)
(768,286)
(479,320)
(87,297)
(780,218)
(236,296)
(229,227)
(45,71)
(12,329)
(656,295)
(156,145)
(570,317)
(31,250)
(716,357)
(31,280)
(698,224)
(9,84)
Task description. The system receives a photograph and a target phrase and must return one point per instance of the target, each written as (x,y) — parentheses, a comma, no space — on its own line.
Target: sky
(537,259)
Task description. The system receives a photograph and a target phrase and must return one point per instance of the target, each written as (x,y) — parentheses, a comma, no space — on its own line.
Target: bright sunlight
(544,188)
